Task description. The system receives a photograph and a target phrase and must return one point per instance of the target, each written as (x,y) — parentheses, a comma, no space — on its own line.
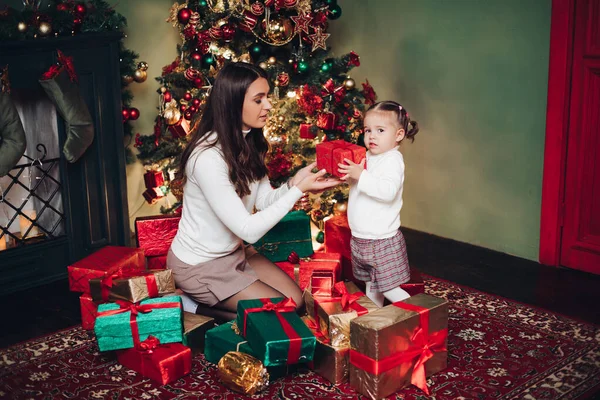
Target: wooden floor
(46,309)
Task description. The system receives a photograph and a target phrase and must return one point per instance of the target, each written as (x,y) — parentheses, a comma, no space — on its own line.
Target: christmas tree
(314,99)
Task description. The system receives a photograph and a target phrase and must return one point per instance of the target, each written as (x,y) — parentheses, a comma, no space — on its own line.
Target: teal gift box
(116,328)
(292,233)
(222,339)
(275,332)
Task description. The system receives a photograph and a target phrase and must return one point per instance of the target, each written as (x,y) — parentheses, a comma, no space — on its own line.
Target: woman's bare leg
(270,274)
(257,290)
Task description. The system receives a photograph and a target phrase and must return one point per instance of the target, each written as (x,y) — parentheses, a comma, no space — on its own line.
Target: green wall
(474,75)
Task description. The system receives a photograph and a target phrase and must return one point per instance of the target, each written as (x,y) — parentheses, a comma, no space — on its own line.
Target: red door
(580,244)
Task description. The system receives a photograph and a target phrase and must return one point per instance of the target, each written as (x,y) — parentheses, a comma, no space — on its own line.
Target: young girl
(378,247)
(225,179)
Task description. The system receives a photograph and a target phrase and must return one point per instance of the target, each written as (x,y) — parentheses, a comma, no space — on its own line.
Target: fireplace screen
(31,203)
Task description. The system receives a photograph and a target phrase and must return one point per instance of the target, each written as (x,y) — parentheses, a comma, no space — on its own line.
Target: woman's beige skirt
(216,280)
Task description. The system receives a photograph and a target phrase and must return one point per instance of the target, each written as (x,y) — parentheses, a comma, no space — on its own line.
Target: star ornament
(318,39)
(301,21)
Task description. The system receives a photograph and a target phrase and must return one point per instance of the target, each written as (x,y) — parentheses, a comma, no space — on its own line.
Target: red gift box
(106,261)
(163,363)
(152,195)
(330,154)
(306,132)
(337,240)
(89,310)
(327,120)
(302,272)
(153,179)
(180,129)
(155,234)
(157,262)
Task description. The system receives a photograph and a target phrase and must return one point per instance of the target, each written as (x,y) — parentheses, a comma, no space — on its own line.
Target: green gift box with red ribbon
(275,332)
(398,345)
(292,233)
(123,325)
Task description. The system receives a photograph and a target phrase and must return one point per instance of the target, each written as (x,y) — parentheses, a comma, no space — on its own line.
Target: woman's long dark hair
(245,156)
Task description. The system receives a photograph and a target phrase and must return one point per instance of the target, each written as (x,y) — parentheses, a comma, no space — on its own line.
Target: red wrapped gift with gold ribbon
(330,362)
(163,363)
(106,261)
(301,269)
(397,345)
(89,310)
(333,314)
(132,286)
(154,234)
(330,154)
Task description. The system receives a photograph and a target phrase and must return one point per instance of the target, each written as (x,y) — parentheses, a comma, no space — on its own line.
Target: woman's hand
(351,170)
(302,173)
(315,183)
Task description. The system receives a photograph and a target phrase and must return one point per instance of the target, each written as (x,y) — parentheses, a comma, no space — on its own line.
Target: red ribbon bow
(316,330)
(349,299)
(149,344)
(421,348)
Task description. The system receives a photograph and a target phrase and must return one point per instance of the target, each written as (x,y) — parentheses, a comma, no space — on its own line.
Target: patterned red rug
(498,349)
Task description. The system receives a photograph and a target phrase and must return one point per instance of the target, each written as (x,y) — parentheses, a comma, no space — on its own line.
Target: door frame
(557,123)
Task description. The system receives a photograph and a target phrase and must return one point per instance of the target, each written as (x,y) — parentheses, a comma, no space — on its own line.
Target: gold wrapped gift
(133,287)
(329,362)
(333,314)
(397,345)
(194,330)
(243,373)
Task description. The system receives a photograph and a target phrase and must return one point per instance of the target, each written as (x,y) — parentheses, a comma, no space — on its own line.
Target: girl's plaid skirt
(383,262)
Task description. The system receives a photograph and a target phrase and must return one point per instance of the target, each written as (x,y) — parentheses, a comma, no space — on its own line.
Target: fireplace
(52,212)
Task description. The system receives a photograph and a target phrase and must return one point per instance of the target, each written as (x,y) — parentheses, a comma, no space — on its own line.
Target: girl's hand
(315,183)
(302,173)
(351,170)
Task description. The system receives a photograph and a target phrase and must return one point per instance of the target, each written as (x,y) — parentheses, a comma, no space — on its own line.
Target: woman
(225,180)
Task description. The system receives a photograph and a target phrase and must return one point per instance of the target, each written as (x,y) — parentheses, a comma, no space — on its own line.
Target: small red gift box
(163,363)
(155,234)
(153,179)
(89,310)
(307,131)
(327,120)
(302,271)
(152,195)
(180,129)
(330,154)
(106,261)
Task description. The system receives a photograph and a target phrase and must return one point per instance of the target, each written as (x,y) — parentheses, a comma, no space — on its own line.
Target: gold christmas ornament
(340,207)
(272,60)
(45,28)
(140,75)
(263,65)
(143,65)
(278,31)
(163,89)
(127,79)
(21,27)
(349,83)
(172,114)
(281,118)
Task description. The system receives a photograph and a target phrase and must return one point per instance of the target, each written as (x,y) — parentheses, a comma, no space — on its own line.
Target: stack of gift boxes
(135,312)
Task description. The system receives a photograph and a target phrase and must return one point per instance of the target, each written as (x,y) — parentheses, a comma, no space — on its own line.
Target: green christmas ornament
(325,67)
(256,50)
(331,3)
(203,3)
(320,237)
(208,60)
(302,66)
(335,12)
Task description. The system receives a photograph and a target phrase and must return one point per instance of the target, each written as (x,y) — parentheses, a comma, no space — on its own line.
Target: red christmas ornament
(196,103)
(249,22)
(194,18)
(191,73)
(196,56)
(187,96)
(187,115)
(80,9)
(183,107)
(189,33)
(138,140)
(62,7)
(198,82)
(290,3)
(134,113)
(183,16)
(125,114)
(283,79)
(228,32)
(257,8)
(167,97)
